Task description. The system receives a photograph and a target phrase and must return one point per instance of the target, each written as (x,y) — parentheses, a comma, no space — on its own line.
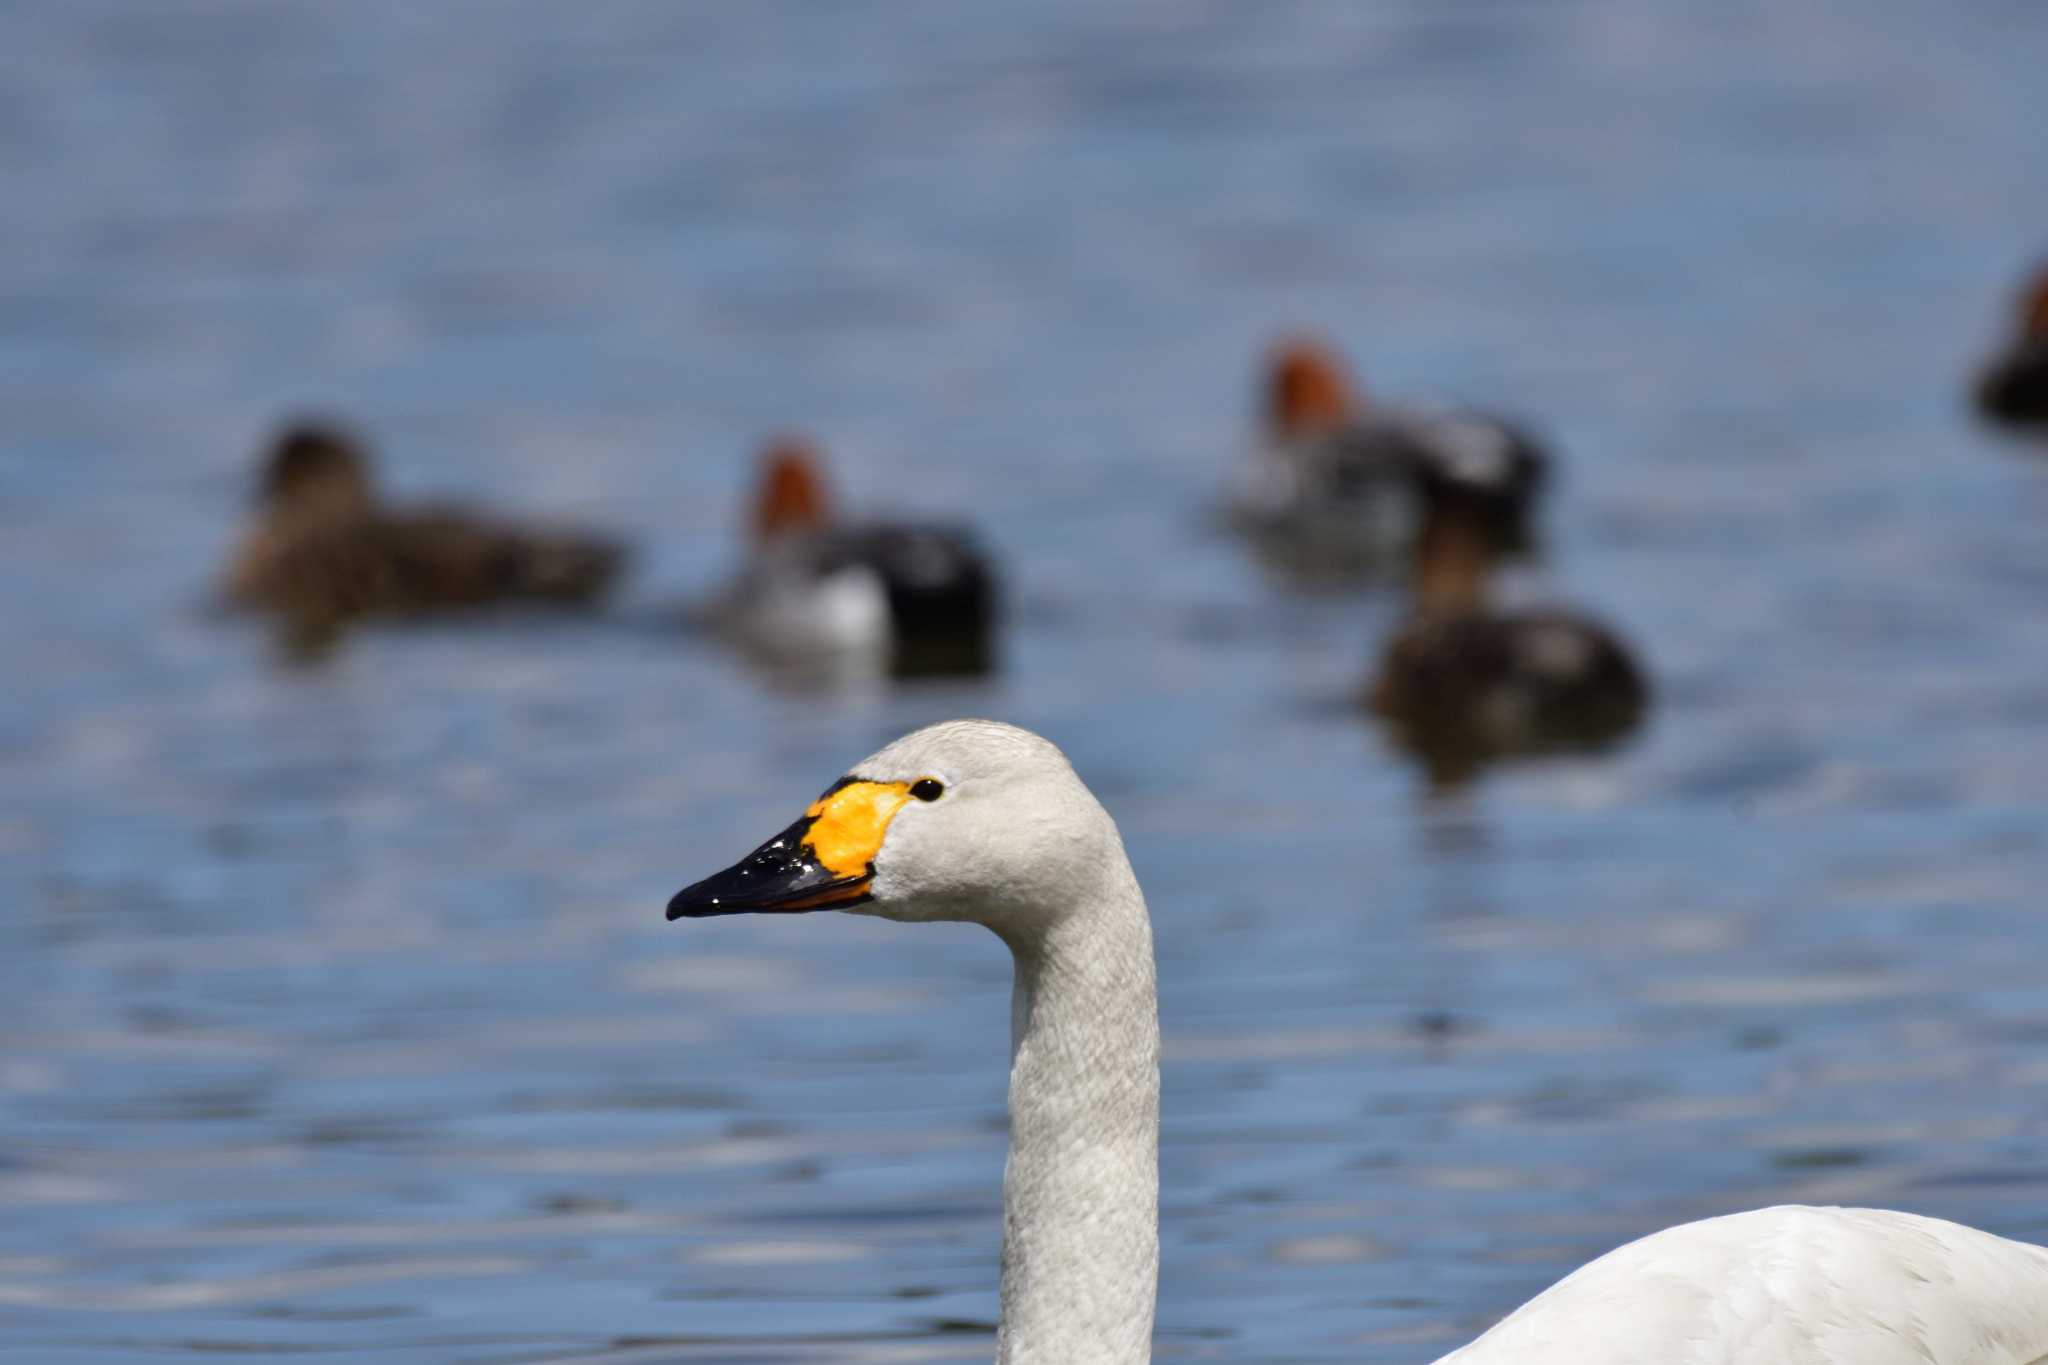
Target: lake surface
(338,1019)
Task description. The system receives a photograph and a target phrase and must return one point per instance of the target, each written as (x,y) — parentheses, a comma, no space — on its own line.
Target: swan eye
(927,789)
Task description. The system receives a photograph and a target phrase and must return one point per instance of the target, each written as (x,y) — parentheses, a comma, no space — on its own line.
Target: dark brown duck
(1462,685)
(2014,387)
(323,551)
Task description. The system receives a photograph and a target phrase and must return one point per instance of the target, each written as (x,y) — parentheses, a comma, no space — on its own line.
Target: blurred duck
(1462,684)
(2015,386)
(822,597)
(323,551)
(1335,487)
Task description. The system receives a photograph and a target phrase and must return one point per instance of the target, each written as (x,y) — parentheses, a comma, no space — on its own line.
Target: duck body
(1336,487)
(906,597)
(324,552)
(1463,683)
(815,595)
(1789,1286)
(1477,686)
(420,562)
(979,822)
(2014,389)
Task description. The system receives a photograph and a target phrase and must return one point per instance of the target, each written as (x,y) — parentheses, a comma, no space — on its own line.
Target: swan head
(968,820)
(792,495)
(315,467)
(1306,391)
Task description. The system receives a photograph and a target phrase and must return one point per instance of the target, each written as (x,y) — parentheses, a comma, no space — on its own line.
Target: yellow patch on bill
(847,825)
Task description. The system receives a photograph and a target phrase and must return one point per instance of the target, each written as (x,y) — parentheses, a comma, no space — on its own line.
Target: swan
(1333,487)
(982,822)
(817,595)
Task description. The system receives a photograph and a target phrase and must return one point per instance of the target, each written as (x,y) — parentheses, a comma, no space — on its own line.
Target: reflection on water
(337,1014)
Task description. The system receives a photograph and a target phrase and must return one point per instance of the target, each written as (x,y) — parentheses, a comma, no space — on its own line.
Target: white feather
(787,611)
(1789,1286)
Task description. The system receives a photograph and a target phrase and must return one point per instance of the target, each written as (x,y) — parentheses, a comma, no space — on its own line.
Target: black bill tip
(782,876)
(689,904)
(700,902)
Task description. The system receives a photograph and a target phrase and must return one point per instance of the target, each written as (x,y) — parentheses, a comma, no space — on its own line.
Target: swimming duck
(983,823)
(818,595)
(324,552)
(1334,487)
(1461,683)
(2014,388)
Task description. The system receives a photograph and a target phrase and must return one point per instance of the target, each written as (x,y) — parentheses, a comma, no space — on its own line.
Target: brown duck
(2014,387)
(1462,684)
(324,552)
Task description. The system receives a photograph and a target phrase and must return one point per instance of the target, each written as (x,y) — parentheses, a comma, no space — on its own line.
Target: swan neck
(1081,1187)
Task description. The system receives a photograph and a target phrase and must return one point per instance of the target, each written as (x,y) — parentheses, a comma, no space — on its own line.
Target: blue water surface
(338,1019)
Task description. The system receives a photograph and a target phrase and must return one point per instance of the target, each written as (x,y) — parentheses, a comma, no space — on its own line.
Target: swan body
(822,597)
(1789,1286)
(982,822)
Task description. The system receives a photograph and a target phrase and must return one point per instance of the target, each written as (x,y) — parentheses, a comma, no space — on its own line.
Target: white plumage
(791,613)
(1789,1286)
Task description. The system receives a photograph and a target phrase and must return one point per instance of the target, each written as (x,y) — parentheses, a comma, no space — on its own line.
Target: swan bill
(825,861)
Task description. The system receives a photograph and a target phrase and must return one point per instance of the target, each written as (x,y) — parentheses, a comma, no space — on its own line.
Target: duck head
(792,497)
(315,469)
(2034,307)
(969,820)
(1307,393)
(1457,548)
